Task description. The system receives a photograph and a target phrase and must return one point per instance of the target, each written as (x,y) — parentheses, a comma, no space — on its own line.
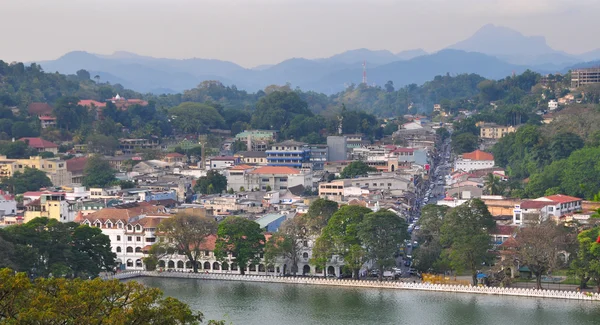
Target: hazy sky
(253,32)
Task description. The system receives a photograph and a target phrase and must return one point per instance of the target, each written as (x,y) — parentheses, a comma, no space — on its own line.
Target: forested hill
(21,85)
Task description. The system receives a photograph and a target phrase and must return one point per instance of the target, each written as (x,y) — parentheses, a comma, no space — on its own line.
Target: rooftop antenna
(364,80)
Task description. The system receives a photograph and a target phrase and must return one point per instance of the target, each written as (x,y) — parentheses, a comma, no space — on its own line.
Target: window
(305,255)
(118,249)
(518,216)
(118,238)
(129,249)
(206,253)
(551,209)
(138,228)
(129,238)
(138,238)
(305,243)
(129,227)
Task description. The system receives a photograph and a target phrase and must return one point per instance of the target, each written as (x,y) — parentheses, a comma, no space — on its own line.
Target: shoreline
(521,292)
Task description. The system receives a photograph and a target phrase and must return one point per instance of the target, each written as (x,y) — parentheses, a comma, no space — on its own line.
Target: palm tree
(492,184)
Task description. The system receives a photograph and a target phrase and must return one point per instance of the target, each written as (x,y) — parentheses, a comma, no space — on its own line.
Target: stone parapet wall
(524,292)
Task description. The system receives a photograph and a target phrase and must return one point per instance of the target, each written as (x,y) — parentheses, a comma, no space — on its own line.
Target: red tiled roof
(404,150)
(559,198)
(478,155)
(531,204)
(76,164)
(241,167)
(91,102)
(39,109)
(47,118)
(39,143)
(275,170)
(174,155)
(511,242)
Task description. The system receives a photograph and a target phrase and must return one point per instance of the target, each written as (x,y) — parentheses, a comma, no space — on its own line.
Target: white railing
(525,292)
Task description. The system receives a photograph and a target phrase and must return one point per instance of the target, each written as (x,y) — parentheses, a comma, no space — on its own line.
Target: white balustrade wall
(525,292)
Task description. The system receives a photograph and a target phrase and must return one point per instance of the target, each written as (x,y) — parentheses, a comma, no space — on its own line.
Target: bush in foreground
(64,301)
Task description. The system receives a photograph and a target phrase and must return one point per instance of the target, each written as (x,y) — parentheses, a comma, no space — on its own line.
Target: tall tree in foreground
(188,234)
(243,238)
(538,247)
(318,215)
(382,233)
(586,264)
(464,236)
(31,179)
(340,237)
(286,243)
(94,302)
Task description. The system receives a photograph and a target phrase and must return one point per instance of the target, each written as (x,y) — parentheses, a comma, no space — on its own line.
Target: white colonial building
(474,161)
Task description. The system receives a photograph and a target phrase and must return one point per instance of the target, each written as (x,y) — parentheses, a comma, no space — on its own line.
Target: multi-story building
(551,207)
(354,141)
(130,146)
(474,160)
(221,162)
(252,157)
(275,177)
(494,131)
(55,168)
(580,77)
(257,140)
(131,229)
(337,148)
(52,206)
(318,155)
(289,154)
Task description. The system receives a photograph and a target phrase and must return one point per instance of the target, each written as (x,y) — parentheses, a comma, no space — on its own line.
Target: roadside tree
(242,238)
(188,233)
(382,233)
(465,238)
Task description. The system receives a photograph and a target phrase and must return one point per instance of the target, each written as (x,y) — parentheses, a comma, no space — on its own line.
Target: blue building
(288,153)
(271,222)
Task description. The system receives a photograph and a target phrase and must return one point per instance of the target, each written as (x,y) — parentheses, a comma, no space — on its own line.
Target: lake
(285,304)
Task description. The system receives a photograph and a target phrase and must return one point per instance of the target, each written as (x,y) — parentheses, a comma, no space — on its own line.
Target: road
(433,190)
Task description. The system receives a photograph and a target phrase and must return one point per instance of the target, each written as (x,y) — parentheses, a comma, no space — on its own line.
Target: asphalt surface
(440,169)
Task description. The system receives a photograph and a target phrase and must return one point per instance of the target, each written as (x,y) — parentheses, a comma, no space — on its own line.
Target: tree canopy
(241,238)
(97,172)
(356,168)
(212,183)
(30,179)
(75,301)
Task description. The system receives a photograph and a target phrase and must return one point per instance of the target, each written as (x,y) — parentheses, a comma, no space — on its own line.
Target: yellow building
(50,205)
(55,168)
(494,131)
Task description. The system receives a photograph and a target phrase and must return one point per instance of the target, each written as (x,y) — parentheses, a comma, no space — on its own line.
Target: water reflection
(261,303)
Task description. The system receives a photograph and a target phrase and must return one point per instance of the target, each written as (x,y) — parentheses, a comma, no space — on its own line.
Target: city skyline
(256,32)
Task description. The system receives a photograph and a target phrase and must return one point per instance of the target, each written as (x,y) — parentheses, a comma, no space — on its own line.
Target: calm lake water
(285,304)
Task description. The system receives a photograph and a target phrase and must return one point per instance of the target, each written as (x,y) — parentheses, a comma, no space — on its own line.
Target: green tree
(563,144)
(102,144)
(31,179)
(241,238)
(22,129)
(586,264)
(286,243)
(95,302)
(382,233)
(97,173)
(69,114)
(277,109)
(187,234)
(356,168)
(47,246)
(442,133)
(195,118)
(464,236)
(340,237)
(212,183)
(464,142)
(16,150)
(318,215)
(492,185)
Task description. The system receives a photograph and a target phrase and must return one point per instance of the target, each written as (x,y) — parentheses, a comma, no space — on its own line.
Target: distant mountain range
(492,52)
